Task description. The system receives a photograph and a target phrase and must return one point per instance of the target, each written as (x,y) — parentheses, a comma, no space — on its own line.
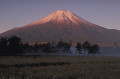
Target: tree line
(15,46)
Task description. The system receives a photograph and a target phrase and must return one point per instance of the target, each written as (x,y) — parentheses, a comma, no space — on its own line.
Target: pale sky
(16,13)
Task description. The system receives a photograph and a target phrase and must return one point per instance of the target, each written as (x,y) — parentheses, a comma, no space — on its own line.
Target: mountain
(64,25)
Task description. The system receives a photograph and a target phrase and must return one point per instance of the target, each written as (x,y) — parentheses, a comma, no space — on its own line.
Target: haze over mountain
(64,25)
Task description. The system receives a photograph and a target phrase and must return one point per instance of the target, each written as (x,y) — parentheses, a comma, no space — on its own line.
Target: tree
(86,46)
(3,46)
(14,41)
(46,48)
(36,47)
(3,42)
(93,49)
(60,43)
(67,48)
(79,47)
(70,42)
(15,45)
(26,47)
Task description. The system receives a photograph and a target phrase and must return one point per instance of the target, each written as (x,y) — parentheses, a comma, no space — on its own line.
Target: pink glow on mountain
(61,17)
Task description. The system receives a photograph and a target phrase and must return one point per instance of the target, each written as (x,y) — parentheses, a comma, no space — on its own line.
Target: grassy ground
(59,67)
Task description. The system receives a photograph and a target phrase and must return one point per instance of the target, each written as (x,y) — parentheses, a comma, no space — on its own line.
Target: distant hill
(64,25)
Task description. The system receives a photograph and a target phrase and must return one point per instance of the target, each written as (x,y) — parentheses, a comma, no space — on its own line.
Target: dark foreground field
(59,67)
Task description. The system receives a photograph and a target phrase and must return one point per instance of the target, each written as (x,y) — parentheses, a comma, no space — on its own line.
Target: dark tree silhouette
(46,48)
(14,41)
(15,45)
(93,49)
(70,42)
(86,46)
(60,43)
(79,47)
(36,47)
(3,46)
(26,47)
(67,48)
(3,42)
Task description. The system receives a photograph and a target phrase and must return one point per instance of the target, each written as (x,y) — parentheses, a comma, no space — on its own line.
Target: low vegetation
(59,67)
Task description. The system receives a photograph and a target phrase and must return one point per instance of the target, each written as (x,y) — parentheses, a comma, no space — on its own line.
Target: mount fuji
(64,25)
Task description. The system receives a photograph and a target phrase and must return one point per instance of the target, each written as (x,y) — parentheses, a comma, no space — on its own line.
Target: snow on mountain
(61,17)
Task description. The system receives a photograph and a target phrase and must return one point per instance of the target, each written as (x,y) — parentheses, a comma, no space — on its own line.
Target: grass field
(59,67)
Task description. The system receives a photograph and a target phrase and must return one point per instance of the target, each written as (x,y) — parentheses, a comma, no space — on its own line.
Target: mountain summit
(64,25)
(61,17)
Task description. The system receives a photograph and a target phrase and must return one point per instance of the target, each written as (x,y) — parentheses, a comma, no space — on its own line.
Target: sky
(16,13)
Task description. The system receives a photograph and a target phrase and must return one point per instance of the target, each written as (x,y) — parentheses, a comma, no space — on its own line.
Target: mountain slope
(64,25)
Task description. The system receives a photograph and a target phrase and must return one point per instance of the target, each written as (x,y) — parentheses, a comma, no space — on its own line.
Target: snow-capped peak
(60,17)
